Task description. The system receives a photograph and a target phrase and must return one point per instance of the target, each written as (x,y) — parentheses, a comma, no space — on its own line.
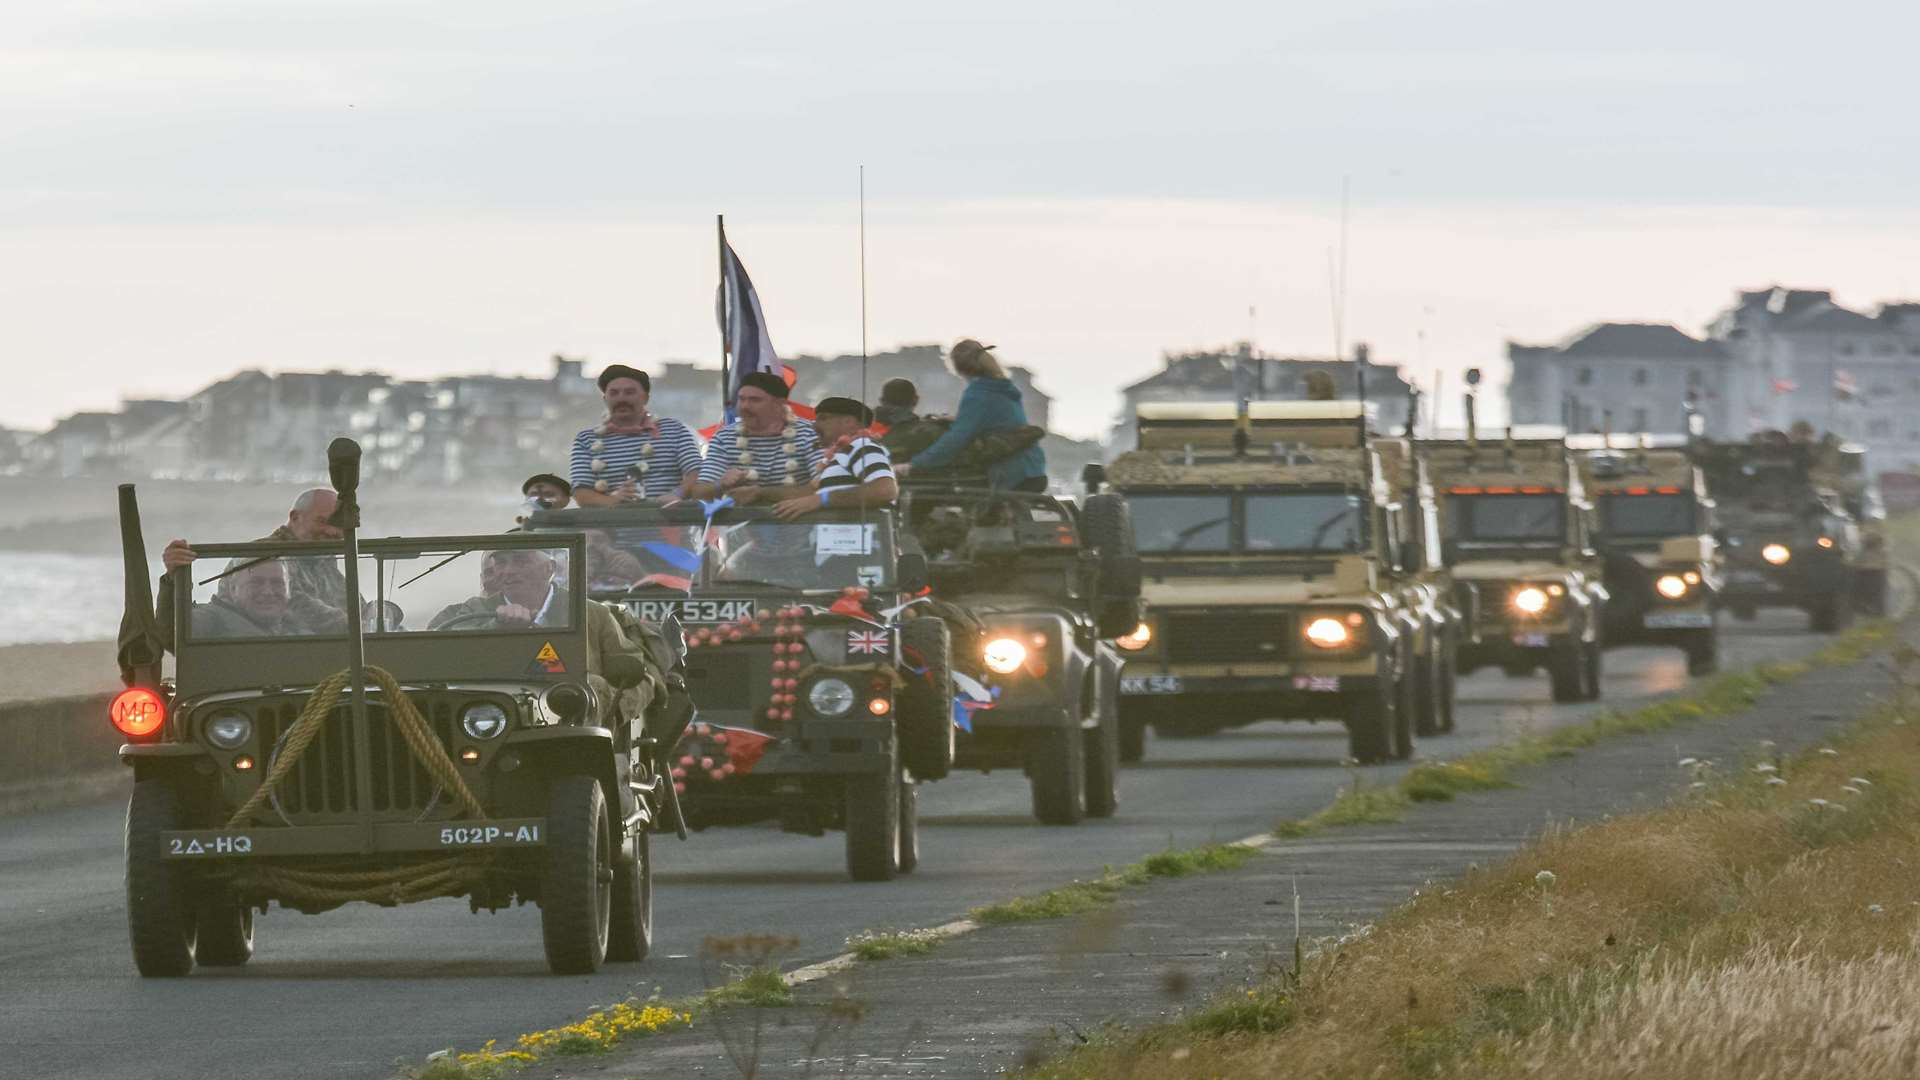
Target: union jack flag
(869,641)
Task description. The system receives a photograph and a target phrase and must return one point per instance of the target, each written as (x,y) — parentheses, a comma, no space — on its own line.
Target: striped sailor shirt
(777,463)
(862,462)
(611,457)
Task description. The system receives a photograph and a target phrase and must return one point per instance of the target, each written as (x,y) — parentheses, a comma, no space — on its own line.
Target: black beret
(546,478)
(844,406)
(768,381)
(622,371)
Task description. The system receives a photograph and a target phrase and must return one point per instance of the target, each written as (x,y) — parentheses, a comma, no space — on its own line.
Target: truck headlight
(1141,637)
(1777,554)
(830,697)
(1671,586)
(1004,656)
(1530,600)
(483,720)
(1328,633)
(229,730)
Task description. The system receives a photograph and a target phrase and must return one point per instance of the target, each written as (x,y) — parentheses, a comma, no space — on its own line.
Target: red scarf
(648,425)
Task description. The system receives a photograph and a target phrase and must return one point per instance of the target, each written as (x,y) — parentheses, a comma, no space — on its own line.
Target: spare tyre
(926,702)
(1106,527)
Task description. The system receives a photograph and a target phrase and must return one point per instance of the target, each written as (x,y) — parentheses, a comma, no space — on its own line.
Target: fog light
(1004,656)
(243,763)
(1328,633)
(1671,586)
(469,756)
(1530,600)
(1691,577)
(880,706)
(1777,554)
(1141,637)
(1825,541)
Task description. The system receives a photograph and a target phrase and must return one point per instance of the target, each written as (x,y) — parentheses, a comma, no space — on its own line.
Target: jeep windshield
(429,590)
(1628,516)
(1317,522)
(1304,522)
(1177,524)
(1507,520)
(806,555)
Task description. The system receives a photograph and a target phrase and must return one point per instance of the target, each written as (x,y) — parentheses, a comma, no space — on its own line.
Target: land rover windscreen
(1250,523)
(1481,520)
(1648,515)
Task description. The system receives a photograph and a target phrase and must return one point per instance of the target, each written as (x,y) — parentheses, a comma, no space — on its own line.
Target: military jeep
(1790,540)
(1518,540)
(824,697)
(1048,585)
(423,749)
(1660,564)
(1290,573)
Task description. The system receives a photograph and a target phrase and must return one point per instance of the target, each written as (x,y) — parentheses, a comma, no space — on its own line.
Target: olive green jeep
(1790,539)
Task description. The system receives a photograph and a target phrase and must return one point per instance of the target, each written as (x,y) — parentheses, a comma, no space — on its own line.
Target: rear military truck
(1041,588)
(1845,466)
(1518,538)
(429,738)
(1289,573)
(825,689)
(1659,561)
(1789,538)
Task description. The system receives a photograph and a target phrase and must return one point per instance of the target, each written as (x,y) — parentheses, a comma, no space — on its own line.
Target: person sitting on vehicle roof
(991,404)
(632,454)
(317,590)
(858,472)
(898,400)
(251,601)
(517,590)
(765,456)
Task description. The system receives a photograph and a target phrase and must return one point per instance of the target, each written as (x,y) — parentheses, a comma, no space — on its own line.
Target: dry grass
(1754,930)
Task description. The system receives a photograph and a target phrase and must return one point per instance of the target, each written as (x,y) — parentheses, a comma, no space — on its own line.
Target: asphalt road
(352,992)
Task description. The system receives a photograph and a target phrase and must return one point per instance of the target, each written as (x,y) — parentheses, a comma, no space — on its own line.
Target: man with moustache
(632,454)
(768,454)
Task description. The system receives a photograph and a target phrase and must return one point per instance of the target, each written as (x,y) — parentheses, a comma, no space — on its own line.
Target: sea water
(49,596)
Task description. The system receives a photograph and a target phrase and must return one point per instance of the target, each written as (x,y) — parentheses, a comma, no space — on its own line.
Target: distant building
(1218,376)
(1774,358)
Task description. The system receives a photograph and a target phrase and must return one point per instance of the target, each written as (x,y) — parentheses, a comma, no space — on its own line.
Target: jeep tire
(1057,772)
(1591,654)
(1430,687)
(1107,528)
(223,928)
(1830,612)
(1370,723)
(909,826)
(873,823)
(576,885)
(160,911)
(1567,670)
(1703,652)
(926,701)
(630,928)
(1404,706)
(1133,734)
(1103,760)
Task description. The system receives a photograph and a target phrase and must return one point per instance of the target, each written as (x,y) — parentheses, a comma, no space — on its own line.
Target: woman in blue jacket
(991,403)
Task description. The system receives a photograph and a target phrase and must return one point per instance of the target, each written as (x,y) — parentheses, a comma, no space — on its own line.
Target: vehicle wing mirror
(911,573)
(1094,475)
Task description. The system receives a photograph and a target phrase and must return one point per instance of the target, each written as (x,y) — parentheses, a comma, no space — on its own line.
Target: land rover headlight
(1141,637)
(1671,586)
(229,730)
(1004,656)
(484,720)
(1530,600)
(1777,554)
(830,697)
(1328,633)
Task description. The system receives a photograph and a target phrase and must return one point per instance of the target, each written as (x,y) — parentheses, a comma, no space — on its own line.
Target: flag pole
(720,228)
(863,283)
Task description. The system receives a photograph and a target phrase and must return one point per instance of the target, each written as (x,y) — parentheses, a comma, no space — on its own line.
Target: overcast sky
(192,188)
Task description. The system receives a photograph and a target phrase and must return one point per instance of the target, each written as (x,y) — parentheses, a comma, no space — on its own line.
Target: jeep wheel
(1133,737)
(1590,671)
(1870,592)
(576,890)
(1404,707)
(1830,613)
(1703,652)
(223,928)
(1057,772)
(1567,671)
(926,702)
(1429,717)
(1449,693)
(1103,764)
(630,927)
(1106,526)
(909,826)
(1370,725)
(160,913)
(873,825)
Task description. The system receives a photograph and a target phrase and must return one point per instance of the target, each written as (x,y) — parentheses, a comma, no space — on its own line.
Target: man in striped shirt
(632,455)
(765,456)
(859,471)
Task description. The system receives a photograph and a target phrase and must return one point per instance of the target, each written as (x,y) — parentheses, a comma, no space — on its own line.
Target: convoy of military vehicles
(701,665)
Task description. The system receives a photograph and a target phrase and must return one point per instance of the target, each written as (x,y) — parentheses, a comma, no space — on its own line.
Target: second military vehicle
(1660,564)
(1286,576)
(1790,540)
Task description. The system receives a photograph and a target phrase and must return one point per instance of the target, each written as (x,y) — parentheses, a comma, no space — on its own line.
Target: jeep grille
(1228,637)
(323,782)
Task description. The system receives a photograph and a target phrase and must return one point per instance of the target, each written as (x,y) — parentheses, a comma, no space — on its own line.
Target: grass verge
(885,945)
(1083,896)
(1492,768)
(1766,926)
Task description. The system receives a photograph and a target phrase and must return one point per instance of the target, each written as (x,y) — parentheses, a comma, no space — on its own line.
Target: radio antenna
(863,283)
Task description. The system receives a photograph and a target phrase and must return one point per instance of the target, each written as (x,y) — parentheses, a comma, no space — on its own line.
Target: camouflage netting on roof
(1149,469)
(1530,463)
(1638,468)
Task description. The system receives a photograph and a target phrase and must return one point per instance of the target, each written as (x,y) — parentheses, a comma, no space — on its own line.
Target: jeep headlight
(1777,554)
(830,697)
(229,730)
(1328,633)
(1530,600)
(484,720)
(1141,637)
(1671,586)
(1004,656)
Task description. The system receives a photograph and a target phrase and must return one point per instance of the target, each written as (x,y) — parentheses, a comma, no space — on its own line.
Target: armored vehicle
(1859,489)
(1660,564)
(1790,540)
(824,696)
(1290,573)
(444,742)
(1049,586)
(1518,538)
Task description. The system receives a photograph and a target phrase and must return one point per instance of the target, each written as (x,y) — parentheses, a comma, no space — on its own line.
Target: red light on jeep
(138,712)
